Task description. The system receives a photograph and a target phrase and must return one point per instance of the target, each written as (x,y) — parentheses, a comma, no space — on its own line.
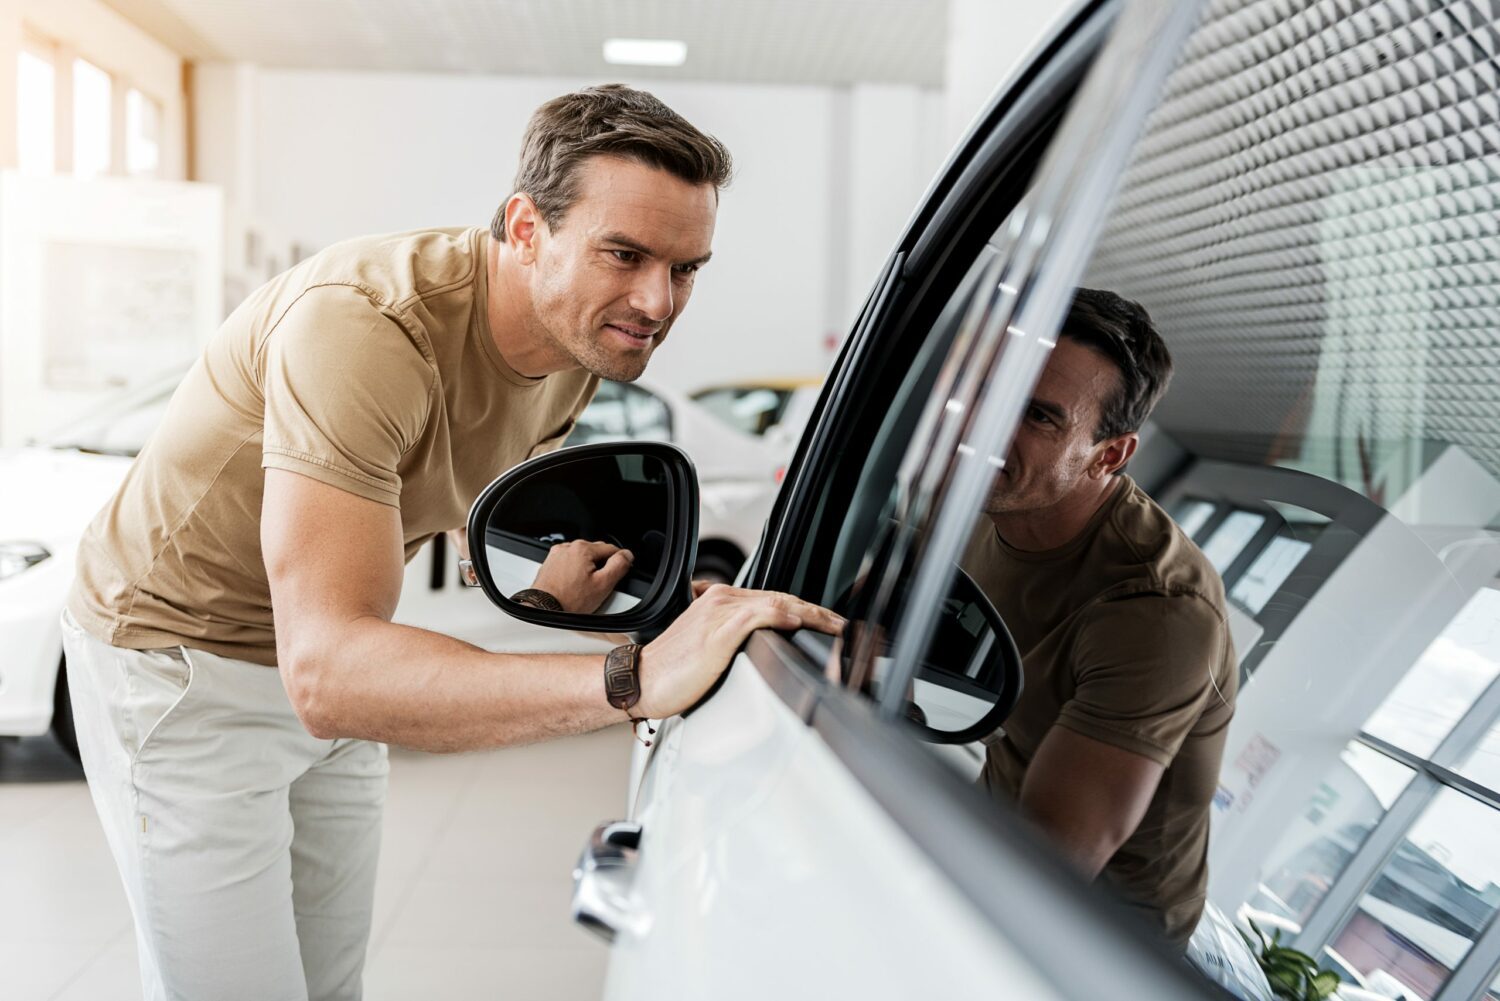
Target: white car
(774,409)
(52,491)
(1306,198)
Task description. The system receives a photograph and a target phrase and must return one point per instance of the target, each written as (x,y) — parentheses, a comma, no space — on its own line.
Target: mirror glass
(591,533)
(971,665)
(969,677)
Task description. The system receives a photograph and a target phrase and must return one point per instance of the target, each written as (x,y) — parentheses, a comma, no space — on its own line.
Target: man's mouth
(632,335)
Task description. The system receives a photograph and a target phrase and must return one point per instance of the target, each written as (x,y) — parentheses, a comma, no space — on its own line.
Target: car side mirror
(640,496)
(970,678)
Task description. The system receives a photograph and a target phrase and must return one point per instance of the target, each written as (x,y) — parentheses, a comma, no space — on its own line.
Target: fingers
(595,550)
(773,610)
(816,616)
(615,568)
(699,586)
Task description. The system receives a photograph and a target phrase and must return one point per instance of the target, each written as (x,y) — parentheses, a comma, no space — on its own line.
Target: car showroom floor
(472,899)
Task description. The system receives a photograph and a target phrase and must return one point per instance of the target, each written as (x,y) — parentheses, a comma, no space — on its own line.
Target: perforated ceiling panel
(1313,220)
(770,41)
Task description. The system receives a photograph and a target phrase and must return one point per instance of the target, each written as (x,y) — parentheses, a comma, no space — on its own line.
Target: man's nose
(652,295)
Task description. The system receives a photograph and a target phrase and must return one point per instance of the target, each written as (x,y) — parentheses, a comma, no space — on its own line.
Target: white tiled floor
(471,903)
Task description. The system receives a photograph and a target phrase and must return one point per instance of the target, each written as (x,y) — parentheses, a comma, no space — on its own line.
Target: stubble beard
(593,356)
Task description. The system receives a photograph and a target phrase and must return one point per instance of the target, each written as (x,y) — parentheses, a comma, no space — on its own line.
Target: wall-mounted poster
(105,283)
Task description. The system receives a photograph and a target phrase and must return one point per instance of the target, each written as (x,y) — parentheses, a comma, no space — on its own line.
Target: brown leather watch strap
(622,676)
(537,598)
(622,685)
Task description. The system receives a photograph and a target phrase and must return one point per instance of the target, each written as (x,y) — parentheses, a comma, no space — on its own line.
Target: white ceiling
(768,41)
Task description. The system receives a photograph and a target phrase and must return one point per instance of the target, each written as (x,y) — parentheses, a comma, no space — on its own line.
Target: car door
(789,837)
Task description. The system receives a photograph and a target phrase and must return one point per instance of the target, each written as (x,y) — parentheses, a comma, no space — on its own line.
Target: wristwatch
(622,683)
(537,598)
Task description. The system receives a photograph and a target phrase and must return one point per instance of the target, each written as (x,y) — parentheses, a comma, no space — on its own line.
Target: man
(1113,749)
(229,639)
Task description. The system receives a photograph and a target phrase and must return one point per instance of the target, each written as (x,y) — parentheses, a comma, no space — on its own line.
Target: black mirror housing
(642,495)
(973,660)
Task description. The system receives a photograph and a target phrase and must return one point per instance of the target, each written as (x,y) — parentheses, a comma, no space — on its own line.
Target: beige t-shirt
(1123,638)
(370,367)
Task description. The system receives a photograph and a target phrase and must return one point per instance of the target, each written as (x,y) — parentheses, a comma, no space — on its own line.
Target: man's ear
(522,222)
(1114,453)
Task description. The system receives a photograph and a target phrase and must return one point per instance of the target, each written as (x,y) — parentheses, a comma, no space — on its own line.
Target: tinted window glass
(646,415)
(1316,268)
(751,409)
(604,419)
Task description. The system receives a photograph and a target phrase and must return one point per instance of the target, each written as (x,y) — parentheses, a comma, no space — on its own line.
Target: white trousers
(247,847)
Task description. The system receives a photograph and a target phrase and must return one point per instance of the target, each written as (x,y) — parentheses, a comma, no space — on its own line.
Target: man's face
(1054,452)
(617,270)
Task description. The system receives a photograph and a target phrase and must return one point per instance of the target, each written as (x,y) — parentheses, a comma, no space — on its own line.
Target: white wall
(825,180)
(986,39)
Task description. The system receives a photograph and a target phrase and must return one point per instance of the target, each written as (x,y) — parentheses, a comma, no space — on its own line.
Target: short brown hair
(1121,330)
(608,120)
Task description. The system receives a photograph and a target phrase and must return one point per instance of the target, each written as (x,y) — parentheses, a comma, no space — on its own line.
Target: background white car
(55,487)
(774,409)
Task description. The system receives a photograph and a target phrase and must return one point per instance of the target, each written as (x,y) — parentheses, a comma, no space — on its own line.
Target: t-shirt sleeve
(1145,668)
(346,394)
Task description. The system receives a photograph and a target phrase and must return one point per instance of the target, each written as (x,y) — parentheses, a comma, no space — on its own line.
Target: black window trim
(1054,73)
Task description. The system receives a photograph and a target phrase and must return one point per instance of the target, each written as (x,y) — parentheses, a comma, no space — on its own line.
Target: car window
(604,419)
(622,412)
(1308,219)
(837,510)
(1313,243)
(1322,273)
(751,409)
(647,415)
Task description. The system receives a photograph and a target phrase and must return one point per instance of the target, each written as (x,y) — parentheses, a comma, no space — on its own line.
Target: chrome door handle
(602,902)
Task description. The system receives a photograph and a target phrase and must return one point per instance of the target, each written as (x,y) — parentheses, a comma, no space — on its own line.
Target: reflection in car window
(869,516)
(1319,268)
(1231,537)
(1308,219)
(1192,514)
(1315,849)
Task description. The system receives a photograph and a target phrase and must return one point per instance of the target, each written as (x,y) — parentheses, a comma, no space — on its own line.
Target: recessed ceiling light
(645,51)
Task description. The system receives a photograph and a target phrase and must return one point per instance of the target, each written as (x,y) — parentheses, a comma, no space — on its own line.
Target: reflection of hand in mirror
(581,575)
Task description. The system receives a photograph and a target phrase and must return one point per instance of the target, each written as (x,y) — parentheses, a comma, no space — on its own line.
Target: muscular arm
(1087,796)
(335,566)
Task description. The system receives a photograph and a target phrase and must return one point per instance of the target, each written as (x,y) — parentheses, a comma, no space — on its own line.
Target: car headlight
(18,556)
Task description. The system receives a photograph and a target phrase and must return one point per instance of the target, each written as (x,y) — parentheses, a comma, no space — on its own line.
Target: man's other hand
(681,664)
(582,575)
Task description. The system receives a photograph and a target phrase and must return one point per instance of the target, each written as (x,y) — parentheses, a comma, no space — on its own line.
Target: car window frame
(903,299)
(984,847)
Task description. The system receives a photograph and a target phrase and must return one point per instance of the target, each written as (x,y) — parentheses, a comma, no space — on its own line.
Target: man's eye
(1040,416)
(626,256)
(686,270)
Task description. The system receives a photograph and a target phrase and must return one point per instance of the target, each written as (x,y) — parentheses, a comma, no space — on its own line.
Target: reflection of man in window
(1130,676)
